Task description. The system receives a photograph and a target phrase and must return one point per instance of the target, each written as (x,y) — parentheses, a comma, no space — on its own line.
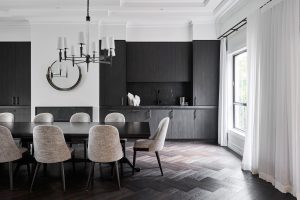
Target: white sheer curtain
(273,136)
(223,95)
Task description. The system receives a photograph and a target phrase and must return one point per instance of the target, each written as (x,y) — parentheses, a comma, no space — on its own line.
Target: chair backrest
(8,149)
(160,136)
(114,117)
(44,117)
(104,144)
(80,117)
(49,144)
(7,117)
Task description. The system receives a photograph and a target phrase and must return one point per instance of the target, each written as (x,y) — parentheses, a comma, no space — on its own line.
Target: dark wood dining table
(80,130)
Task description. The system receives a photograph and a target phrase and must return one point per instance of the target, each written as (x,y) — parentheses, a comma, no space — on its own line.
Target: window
(240,91)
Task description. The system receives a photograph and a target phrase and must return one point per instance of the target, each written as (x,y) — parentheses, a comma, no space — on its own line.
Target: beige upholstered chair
(43,118)
(118,117)
(80,118)
(114,117)
(154,143)
(7,117)
(9,151)
(104,147)
(50,147)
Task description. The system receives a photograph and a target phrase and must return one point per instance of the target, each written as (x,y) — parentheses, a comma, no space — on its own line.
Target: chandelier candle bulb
(94,46)
(104,43)
(81,38)
(72,50)
(65,43)
(112,42)
(60,43)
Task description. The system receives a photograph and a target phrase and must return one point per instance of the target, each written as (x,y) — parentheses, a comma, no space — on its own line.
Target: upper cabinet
(113,78)
(159,61)
(15,73)
(206,61)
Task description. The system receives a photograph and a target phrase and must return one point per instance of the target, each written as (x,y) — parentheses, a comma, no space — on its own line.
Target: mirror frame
(49,77)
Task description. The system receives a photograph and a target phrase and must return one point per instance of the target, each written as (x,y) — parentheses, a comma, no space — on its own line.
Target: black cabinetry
(113,78)
(15,73)
(206,61)
(159,61)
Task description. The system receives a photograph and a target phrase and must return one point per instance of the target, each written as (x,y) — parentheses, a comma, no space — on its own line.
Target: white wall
(43,53)
(14,30)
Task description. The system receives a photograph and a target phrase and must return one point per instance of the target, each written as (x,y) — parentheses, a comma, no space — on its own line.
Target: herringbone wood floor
(192,170)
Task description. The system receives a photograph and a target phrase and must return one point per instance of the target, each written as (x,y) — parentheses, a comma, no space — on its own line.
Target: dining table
(80,130)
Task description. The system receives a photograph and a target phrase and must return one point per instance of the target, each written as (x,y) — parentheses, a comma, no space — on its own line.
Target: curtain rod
(234,29)
(239,24)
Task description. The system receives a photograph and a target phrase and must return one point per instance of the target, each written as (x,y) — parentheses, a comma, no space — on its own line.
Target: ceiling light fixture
(105,56)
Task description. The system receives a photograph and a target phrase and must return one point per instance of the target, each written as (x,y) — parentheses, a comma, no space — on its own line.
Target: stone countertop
(158,107)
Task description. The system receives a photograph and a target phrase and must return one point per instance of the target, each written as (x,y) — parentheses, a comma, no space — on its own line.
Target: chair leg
(100,170)
(37,167)
(117,173)
(11,176)
(133,163)
(45,169)
(63,175)
(90,175)
(84,149)
(73,161)
(158,160)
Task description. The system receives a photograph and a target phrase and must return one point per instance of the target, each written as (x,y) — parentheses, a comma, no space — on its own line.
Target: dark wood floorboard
(192,170)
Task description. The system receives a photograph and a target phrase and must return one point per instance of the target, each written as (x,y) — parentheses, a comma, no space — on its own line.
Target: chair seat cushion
(143,143)
(22,150)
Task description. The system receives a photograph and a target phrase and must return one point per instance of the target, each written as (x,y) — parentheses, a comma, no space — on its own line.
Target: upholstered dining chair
(80,118)
(154,144)
(7,117)
(114,117)
(104,147)
(117,117)
(43,118)
(50,147)
(9,152)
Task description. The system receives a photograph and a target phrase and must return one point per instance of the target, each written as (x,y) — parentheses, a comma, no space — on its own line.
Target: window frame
(235,103)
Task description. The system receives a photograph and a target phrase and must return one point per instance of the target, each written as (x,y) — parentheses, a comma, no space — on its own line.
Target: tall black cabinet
(113,78)
(15,74)
(206,61)
(15,79)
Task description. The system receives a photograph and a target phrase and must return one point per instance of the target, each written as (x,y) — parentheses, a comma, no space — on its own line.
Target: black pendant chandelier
(105,55)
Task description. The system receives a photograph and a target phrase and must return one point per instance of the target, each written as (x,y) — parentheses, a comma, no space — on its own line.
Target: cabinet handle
(149,114)
(195,114)
(18,100)
(135,110)
(122,101)
(14,100)
(195,101)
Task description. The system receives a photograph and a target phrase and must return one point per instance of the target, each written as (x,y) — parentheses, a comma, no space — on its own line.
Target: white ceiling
(154,11)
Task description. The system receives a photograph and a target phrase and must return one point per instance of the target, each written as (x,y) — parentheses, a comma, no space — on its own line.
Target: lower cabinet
(184,123)
(21,114)
(206,124)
